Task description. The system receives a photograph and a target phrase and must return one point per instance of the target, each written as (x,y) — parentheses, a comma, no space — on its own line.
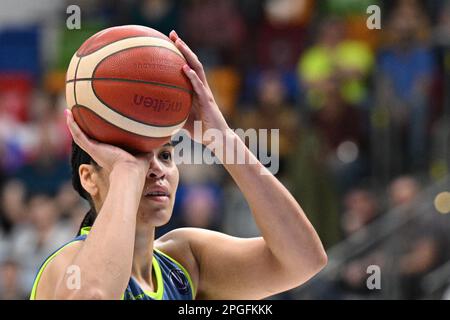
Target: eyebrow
(168,144)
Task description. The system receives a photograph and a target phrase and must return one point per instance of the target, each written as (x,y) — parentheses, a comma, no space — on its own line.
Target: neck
(143,255)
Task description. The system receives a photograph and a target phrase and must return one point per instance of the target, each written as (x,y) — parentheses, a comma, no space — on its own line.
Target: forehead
(165,146)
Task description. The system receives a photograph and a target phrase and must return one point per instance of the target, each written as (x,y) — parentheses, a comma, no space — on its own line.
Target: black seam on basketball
(135,81)
(112,124)
(133,47)
(128,117)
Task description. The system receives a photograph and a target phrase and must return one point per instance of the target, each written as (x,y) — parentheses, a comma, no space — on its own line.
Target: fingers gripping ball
(125,86)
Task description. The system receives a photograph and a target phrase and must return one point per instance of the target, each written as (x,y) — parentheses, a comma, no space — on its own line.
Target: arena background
(363,117)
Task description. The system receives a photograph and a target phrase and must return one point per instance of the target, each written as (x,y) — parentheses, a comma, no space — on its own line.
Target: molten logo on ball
(157,104)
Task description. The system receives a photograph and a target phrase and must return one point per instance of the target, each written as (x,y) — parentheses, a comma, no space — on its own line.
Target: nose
(155,170)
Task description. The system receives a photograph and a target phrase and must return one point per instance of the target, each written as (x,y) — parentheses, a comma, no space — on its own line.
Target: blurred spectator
(225,85)
(403,191)
(237,220)
(49,167)
(255,78)
(341,128)
(200,208)
(360,209)
(442,30)
(335,58)
(49,124)
(419,246)
(39,238)
(47,172)
(441,44)
(15,135)
(415,249)
(71,206)
(12,213)
(10,288)
(280,38)
(162,15)
(352,281)
(273,111)
(288,12)
(312,184)
(214,29)
(75,216)
(354,16)
(14,144)
(405,70)
(67,198)
(281,35)
(12,207)
(338,121)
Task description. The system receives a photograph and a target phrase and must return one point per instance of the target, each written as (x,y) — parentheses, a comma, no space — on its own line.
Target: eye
(166,155)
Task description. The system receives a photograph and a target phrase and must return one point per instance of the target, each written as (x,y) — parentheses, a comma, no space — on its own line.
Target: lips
(156,192)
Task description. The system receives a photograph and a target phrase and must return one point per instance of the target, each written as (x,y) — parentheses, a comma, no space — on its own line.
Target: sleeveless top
(173,280)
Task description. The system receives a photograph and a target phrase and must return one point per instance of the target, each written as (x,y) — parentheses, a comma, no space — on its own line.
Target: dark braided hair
(79,157)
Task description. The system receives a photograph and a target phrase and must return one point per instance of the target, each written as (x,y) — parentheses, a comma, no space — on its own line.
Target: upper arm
(53,272)
(227,267)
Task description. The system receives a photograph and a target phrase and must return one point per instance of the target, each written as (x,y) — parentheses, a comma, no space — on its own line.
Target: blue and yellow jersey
(173,280)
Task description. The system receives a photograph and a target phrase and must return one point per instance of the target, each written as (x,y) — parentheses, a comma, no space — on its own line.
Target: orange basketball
(125,86)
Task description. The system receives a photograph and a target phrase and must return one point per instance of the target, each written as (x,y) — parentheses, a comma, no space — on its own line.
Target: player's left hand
(204,107)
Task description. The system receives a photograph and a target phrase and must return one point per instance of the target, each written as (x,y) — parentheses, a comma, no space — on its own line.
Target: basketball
(126,87)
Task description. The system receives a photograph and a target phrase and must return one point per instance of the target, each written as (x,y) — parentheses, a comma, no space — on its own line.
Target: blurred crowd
(361,113)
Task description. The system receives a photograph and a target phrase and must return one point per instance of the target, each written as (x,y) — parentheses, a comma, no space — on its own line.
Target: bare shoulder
(224,266)
(178,244)
(55,268)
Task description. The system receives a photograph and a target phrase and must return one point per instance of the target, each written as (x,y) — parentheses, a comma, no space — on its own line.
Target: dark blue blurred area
(20,50)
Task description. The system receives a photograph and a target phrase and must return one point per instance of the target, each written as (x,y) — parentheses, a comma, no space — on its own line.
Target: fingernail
(175,33)
(186,67)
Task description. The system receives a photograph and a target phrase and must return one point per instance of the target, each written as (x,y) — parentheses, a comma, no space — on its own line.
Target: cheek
(173,178)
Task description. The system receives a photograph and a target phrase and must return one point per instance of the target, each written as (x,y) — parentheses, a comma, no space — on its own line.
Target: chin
(157,217)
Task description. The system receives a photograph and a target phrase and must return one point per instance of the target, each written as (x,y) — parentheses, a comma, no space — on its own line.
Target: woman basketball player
(117,257)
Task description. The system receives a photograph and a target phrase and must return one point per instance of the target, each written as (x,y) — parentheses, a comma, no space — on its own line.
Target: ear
(89,179)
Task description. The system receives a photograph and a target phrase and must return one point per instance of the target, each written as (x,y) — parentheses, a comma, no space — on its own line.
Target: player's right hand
(105,155)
